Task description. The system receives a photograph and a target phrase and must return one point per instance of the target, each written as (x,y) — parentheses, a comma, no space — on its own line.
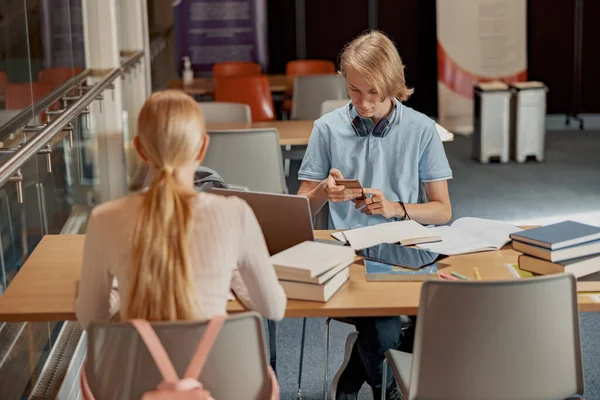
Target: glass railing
(49,181)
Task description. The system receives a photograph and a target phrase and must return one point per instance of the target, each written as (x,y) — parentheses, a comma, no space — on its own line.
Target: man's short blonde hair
(374,56)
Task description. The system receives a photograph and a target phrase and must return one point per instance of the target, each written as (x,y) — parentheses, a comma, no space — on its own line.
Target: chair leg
(272,344)
(384,365)
(301,359)
(325,381)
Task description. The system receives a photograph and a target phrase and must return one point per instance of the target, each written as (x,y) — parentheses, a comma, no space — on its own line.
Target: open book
(471,235)
(404,232)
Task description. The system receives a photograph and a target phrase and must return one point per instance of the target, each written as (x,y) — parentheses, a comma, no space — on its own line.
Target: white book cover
(471,235)
(310,259)
(403,232)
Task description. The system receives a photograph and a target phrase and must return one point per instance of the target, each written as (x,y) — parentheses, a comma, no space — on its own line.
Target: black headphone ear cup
(361,129)
(380,128)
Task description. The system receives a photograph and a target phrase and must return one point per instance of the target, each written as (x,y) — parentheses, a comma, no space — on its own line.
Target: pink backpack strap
(157,350)
(206,343)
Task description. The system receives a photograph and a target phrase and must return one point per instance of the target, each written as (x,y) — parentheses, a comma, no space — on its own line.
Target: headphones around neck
(381,128)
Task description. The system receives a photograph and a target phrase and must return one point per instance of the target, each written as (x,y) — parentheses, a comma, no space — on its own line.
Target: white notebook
(404,232)
(471,235)
(308,260)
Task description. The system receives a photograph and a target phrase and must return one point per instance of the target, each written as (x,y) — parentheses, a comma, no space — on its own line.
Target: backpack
(206,179)
(172,387)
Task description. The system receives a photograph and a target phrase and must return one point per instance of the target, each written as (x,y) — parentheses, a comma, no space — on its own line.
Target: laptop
(285,219)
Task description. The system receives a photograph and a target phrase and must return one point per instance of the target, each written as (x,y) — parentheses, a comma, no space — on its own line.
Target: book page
(496,233)
(456,241)
(391,232)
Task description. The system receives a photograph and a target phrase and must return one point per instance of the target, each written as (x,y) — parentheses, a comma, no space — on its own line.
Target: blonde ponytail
(162,284)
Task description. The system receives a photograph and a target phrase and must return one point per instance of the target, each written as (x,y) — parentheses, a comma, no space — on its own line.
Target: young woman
(175,252)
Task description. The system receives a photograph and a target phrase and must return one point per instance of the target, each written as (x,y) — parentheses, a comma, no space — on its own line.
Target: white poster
(477,41)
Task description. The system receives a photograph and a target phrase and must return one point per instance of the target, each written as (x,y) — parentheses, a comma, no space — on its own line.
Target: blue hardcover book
(378,271)
(559,236)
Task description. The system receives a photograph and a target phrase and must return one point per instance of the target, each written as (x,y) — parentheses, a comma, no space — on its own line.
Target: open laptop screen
(285,220)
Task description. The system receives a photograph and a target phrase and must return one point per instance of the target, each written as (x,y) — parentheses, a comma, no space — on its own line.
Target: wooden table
(206,86)
(45,288)
(291,133)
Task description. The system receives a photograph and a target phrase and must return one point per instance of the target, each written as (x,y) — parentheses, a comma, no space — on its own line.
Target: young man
(393,151)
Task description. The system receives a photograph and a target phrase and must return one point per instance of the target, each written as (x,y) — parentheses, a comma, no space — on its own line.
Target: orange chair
(305,67)
(253,90)
(309,67)
(56,76)
(235,68)
(19,95)
(3,81)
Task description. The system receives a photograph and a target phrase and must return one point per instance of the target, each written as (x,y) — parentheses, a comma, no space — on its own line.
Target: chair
(252,90)
(56,76)
(305,67)
(119,365)
(250,158)
(309,67)
(312,90)
(3,81)
(215,112)
(235,68)
(508,340)
(329,105)
(19,96)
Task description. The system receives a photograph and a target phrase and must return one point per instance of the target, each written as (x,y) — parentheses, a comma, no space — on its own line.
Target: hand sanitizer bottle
(187,73)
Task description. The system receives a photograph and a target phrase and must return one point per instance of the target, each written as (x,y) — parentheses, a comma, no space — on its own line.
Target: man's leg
(351,375)
(377,335)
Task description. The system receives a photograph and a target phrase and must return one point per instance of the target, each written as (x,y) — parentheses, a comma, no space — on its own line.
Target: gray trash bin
(491,124)
(528,129)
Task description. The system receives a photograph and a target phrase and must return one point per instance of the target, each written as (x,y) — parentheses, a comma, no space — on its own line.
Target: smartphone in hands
(351,184)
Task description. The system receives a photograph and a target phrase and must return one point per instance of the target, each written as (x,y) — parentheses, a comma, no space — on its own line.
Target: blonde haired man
(393,151)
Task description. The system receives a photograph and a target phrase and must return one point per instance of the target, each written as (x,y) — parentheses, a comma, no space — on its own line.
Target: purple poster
(62,33)
(212,31)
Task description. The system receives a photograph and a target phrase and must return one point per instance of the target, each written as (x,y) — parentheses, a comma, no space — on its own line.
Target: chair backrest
(235,68)
(312,90)
(250,158)
(3,81)
(216,111)
(56,76)
(119,365)
(253,90)
(329,105)
(515,339)
(309,67)
(18,95)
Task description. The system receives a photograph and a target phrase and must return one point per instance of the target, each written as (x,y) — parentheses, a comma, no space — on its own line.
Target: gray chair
(251,158)
(119,365)
(329,105)
(309,92)
(312,90)
(215,112)
(515,339)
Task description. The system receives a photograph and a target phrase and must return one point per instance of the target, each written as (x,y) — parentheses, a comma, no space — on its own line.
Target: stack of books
(313,271)
(569,246)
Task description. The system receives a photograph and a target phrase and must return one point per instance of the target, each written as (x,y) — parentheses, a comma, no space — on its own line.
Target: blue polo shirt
(411,152)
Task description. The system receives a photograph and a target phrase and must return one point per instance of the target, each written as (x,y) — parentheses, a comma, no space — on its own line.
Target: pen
(477,274)
(459,276)
(446,276)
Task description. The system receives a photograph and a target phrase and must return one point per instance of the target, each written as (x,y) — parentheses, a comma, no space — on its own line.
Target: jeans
(376,335)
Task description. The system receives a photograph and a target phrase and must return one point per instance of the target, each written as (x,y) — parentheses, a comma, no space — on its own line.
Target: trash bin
(528,129)
(491,125)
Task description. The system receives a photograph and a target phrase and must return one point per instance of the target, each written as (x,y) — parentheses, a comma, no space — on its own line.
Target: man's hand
(377,204)
(338,193)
